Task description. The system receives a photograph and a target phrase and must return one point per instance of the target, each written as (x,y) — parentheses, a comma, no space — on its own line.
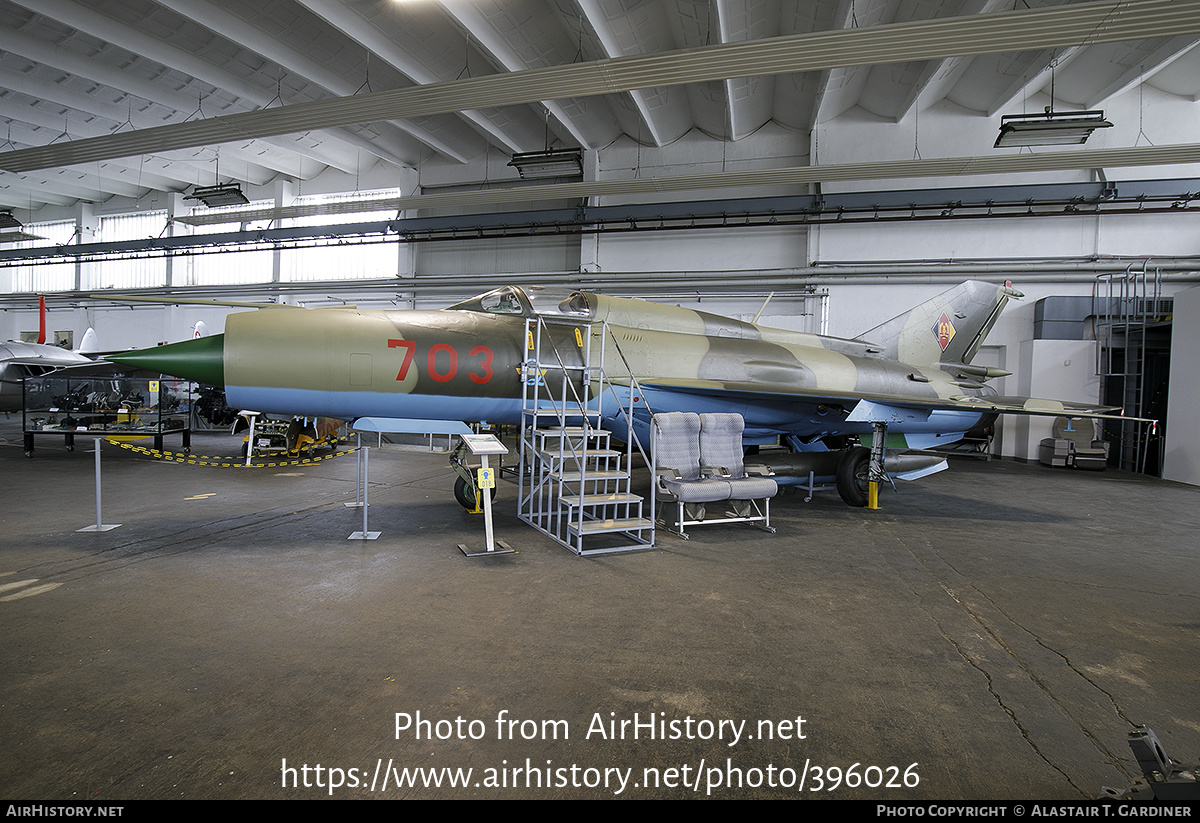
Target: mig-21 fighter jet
(818,395)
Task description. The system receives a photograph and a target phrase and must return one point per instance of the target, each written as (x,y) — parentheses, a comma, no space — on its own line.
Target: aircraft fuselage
(466,363)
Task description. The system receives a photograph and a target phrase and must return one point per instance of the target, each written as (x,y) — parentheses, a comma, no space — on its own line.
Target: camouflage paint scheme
(464,362)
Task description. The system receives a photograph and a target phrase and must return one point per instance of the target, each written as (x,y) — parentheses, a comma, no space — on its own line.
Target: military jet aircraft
(911,375)
(19,360)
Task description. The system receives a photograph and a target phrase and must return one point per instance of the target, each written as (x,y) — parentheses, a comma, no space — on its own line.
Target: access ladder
(575,483)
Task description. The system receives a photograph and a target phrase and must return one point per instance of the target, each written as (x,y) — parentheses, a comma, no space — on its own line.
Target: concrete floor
(992,633)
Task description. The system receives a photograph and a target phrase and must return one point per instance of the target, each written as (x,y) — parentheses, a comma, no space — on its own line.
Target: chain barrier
(225,462)
(1117,436)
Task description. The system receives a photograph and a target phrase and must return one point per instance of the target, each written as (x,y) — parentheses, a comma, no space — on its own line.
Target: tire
(853,476)
(465,495)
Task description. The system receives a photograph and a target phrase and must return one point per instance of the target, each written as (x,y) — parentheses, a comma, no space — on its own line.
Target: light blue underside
(767,418)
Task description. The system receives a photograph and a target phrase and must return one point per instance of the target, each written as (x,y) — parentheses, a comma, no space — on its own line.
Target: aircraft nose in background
(201,359)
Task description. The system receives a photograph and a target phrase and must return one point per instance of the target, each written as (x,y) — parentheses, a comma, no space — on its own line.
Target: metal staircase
(575,486)
(1129,308)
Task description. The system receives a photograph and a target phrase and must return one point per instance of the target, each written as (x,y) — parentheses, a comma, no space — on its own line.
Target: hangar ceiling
(113,70)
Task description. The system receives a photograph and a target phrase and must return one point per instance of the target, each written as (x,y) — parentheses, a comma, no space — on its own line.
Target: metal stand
(483,445)
(363,475)
(100,525)
(253,416)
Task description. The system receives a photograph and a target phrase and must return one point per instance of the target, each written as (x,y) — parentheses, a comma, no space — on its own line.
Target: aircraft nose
(201,360)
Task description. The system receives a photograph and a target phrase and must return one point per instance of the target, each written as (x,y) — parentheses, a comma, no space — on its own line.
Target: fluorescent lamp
(11,229)
(17,236)
(1049,129)
(225,194)
(550,163)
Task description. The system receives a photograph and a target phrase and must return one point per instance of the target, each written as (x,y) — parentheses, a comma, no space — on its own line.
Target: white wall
(1182,456)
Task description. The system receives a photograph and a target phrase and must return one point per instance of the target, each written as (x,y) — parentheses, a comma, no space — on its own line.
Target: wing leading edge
(984,404)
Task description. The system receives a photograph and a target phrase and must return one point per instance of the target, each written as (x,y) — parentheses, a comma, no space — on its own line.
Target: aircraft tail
(948,328)
(90,344)
(41,320)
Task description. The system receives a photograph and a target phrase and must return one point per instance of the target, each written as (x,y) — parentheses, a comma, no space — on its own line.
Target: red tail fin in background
(41,320)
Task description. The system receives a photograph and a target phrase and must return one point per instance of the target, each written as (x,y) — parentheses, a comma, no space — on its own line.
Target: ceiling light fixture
(223,194)
(539,165)
(1050,128)
(11,229)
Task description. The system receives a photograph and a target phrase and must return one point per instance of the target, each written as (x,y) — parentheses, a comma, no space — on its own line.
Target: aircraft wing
(38,360)
(985,404)
(97,368)
(1041,406)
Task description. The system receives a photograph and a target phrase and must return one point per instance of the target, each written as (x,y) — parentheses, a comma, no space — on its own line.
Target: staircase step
(570,414)
(571,431)
(617,498)
(575,476)
(620,524)
(579,454)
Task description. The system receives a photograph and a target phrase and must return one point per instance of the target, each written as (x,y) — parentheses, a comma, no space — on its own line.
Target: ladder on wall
(1125,306)
(575,485)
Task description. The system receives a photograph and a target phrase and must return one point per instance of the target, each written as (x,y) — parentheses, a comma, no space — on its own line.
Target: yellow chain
(223,462)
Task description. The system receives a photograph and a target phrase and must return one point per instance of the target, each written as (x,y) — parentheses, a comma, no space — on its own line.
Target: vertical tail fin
(948,328)
(90,344)
(41,320)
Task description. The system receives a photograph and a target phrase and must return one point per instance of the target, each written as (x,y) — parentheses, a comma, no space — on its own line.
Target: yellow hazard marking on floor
(225,461)
(31,592)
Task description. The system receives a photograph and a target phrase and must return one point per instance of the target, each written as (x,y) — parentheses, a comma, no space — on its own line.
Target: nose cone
(201,360)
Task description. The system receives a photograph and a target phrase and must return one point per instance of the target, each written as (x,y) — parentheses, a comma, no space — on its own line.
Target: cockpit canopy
(531,302)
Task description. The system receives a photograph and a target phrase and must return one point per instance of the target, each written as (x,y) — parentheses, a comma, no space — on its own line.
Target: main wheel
(465,494)
(854,475)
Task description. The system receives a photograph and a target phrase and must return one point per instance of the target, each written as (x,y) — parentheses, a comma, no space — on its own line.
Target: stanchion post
(364,534)
(100,526)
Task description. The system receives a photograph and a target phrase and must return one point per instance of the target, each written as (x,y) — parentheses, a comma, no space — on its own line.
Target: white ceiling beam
(841,21)
(20,198)
(941,71)
(84,104)
(740,118)
(237,30)
(122,177)
(67,183)
(470,19)
(73,128)
(334,153)
(1151,64)
(110,31)
(608,41)
(1047,62)
(105,28)
(1078,24)
(362,31)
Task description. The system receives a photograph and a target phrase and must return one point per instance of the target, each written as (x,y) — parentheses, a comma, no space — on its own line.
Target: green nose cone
(201,360)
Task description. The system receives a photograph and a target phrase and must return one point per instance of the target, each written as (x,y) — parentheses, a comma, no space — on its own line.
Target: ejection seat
(1074,444)
(693,469)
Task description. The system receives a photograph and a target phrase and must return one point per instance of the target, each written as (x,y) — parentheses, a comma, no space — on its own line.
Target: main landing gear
(860,471)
